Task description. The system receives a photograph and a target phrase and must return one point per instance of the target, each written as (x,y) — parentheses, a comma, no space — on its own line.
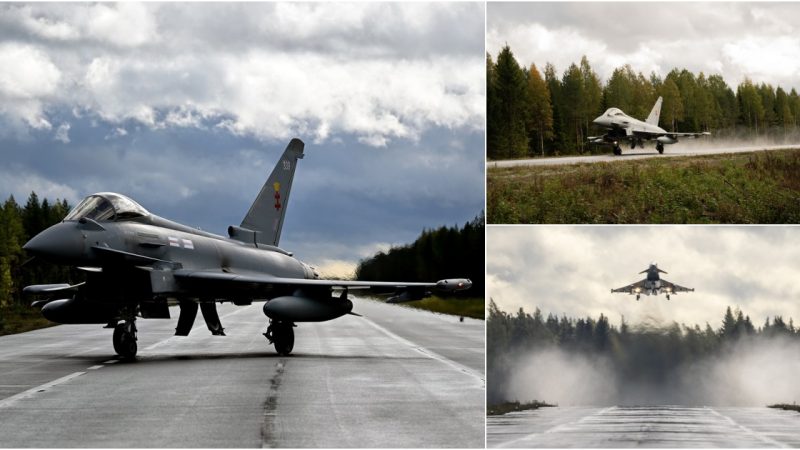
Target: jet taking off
(653,284)
(138,264)
(621,127)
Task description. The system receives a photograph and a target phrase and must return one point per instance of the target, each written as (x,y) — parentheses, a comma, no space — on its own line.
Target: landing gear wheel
(617,150)
(281,335)
(125,340)
(660,148)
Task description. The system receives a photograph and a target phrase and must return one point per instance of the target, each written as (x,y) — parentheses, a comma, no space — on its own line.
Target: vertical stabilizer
(267,212)
(655,114)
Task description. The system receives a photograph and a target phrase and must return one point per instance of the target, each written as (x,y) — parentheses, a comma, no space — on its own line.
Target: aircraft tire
(283,338)
(124,342)
(660,148)
(617,151)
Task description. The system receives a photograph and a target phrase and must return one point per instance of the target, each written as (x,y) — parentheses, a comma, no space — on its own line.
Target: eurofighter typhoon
(622,127)
(138,264)
(653,284)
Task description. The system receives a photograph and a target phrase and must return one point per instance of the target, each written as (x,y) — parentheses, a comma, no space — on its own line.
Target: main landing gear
(281,335)
(660,148)
(617,150)
(125,339)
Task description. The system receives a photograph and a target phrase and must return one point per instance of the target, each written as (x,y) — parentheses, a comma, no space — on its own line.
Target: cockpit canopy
(614,112)
(106,206)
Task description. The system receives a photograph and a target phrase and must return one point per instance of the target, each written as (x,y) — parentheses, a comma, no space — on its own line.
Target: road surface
(628,155)
(395,378)
(654,426)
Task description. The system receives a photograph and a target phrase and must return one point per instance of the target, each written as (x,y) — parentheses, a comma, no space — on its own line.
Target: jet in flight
(138,264)
(653,284)
(623,127)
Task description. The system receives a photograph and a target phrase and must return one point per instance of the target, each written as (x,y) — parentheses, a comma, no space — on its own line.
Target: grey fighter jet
(138,264)
(623,127)
(653,284)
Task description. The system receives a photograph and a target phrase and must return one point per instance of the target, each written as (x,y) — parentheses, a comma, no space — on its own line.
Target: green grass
(507,407)
(757,187)
(457,306)
(19,319)
(786,406)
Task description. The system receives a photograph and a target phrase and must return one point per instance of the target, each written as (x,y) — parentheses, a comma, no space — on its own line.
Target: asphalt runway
(653,426)
(628,155)
(396,377)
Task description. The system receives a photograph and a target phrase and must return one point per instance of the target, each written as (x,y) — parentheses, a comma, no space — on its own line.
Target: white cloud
(570,270)
(736,40)
(765,59)
(126,24)
(62,133)
(20,184)
(381,72)
(27,79)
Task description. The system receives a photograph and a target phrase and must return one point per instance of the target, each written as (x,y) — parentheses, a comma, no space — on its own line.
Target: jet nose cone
(599,121)
(62,242)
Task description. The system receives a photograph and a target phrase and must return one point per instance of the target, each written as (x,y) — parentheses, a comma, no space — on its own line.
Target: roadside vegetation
(17,225)
(532,113)
(507,407)
(457,306)
(21,318)
(757,187)
(444,252)
(786,407)
(648,353)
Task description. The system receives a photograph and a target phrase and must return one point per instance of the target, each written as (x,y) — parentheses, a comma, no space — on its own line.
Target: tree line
(529,114)
(445,252)
(17,225)
(637,352)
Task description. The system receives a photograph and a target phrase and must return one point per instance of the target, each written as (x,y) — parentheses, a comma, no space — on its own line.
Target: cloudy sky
(571,270)
(735,39)
(186,108)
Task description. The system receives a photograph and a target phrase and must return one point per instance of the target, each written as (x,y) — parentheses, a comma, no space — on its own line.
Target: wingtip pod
(454,284)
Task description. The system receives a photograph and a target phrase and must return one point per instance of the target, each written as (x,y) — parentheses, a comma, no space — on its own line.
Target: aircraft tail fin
(655,114)
(268,210)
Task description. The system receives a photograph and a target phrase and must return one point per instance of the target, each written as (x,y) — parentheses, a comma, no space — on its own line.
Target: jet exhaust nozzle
(294,308)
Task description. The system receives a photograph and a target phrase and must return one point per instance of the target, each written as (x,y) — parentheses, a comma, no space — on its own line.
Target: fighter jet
(621,127)
(138,264)
(653,284)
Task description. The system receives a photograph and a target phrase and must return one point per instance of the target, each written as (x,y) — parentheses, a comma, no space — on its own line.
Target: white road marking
(44,387)
(96,367)
(556,428)
(111,361)
(430,354)
(748,431)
